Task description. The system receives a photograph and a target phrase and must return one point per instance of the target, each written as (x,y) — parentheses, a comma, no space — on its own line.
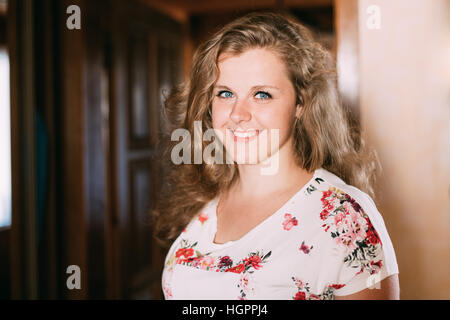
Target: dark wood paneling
(23,221)
(47,147)
(100,179)
(146,59)
(140,175)
(73,150)
(5,275)
(139,115)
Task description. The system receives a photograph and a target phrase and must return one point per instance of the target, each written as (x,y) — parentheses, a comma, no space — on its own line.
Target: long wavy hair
(323,136)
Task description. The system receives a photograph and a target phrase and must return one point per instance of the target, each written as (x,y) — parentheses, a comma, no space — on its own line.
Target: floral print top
(328,240)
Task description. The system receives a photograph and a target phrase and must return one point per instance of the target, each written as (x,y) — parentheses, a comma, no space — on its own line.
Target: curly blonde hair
(323,136)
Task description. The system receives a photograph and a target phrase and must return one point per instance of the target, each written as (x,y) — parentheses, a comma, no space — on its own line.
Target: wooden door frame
(24,283)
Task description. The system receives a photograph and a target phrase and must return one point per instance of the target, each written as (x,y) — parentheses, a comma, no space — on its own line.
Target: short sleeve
(366,251)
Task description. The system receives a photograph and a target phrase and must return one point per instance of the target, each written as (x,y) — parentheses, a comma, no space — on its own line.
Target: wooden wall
(85,119)
(401,83)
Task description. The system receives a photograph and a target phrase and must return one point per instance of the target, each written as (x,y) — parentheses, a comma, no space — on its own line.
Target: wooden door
(146,58)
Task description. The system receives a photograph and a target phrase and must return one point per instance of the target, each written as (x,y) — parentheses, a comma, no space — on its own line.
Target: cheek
(281,118)
(276,118)
(219,115)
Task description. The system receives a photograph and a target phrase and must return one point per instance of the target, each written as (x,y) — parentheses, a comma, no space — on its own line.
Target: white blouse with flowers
(328,240)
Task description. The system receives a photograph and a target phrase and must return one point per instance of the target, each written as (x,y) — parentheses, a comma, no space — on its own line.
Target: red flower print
(336,286)
(184,252)
(238,269)
(372,235)
(289,222)
(326,194)
(300,296)
(179,253)
(379,263)
(225,262)
(376,266)
(360,271)
(188,252)
(330,206)
(305,248)
(203,217)
(324,214)
(354,204)
(254,261)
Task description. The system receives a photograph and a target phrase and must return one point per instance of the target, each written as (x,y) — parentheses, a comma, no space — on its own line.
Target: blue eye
(225,94)
(263,95)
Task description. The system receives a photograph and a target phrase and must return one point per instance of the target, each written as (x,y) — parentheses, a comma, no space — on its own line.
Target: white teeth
(245,134)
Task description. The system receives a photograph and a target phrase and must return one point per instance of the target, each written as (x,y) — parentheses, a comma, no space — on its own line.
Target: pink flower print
(348,239)
(244,284)
(298,283)
(348,208)
(358,227)
(339,218)
(207,262)
(304,248)
(203,217)
(167,290)
(197,262)
(302,288)
(355,217)
(289,222)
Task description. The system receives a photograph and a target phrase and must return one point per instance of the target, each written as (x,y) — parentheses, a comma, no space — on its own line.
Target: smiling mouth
(244,136)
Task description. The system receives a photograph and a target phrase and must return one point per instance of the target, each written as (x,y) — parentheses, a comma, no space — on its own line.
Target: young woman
(308,229)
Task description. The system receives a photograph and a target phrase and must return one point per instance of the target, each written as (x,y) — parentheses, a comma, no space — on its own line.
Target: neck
(253,184)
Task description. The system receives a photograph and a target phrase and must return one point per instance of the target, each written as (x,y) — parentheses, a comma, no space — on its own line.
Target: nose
(240,112)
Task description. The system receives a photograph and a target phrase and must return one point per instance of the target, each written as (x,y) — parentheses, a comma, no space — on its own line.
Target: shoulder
(356,229)
(335,194)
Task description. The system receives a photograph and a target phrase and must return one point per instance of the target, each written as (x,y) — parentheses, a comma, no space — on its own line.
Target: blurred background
(80,116)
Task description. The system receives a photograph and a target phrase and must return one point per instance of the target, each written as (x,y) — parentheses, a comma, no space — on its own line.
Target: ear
(298,111)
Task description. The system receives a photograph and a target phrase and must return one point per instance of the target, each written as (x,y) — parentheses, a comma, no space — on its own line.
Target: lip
(244,136)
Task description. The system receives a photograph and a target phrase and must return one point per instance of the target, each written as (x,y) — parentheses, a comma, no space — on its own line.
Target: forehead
(253,65)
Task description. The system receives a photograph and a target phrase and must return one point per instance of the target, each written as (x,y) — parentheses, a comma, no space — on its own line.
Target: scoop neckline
(259,225)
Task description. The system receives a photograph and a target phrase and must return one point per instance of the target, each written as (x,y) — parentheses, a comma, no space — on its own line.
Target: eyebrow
(258,87)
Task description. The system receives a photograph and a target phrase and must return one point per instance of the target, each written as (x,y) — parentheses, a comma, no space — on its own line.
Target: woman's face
(253,96)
